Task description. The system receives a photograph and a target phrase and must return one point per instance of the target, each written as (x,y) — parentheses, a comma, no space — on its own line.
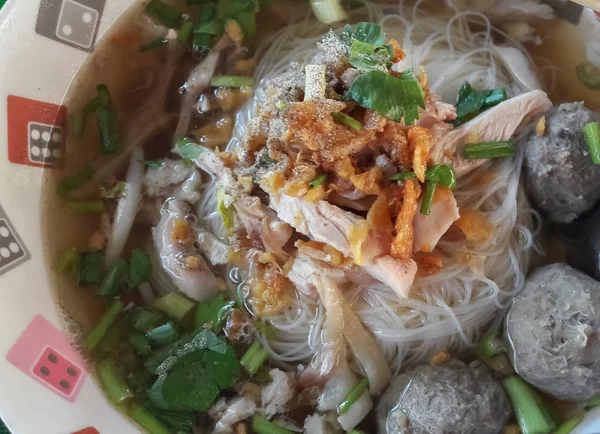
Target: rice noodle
(128,207)
(449,309)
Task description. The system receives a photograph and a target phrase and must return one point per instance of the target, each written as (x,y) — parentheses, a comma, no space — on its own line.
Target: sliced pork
(430,228)
(173,179)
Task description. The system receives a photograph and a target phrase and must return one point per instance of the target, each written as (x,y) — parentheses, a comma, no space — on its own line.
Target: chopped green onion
(592,403)
(254,358)
(70,183)
(226,212)
(442,174)
(261,425)
(205,29)
(68,260)
(202,41)
(592,138)
(343,119)
(108,130)
(163,335)
(114,280)
(146,320)
(474,151)
(166,14)
(104,98)
(77,124)
(153,45)
(569,425)
(105,323)
(91,107)
(231,81)
(280,105)
(86,206)
(153,164)
(175,305)
(91,269)
(328,11)
(140,268)
(113,384)
(189,149)
(356,431)
(530,411)
(145,419)
(317,182)
(401,176)
(185,31)
(589,75)
(491,346)
(212,27)
(140,343)
(427,203)
(114,192)
(110,343)
(354,396)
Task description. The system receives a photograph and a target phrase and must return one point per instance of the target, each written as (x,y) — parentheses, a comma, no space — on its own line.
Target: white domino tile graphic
(44,143)
(11,248)
(77,24)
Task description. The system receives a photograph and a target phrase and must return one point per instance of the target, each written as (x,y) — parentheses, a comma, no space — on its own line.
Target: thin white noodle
(449,309)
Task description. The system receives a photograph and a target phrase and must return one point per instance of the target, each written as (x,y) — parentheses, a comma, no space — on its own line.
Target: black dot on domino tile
(52,357)
(45,371)
(71,371)
(64,384)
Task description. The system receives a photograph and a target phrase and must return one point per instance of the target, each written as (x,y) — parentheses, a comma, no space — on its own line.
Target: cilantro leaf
(370,57)
(212,312)
(188,149)
(392,97)
(113,192)
(370,33)
(140,267)
(471,102)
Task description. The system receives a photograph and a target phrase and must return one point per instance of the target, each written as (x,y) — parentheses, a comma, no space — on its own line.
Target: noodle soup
(286,216)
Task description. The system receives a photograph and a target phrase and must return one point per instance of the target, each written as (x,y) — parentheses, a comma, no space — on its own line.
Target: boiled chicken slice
(174,240)
(496,124)
(428,229)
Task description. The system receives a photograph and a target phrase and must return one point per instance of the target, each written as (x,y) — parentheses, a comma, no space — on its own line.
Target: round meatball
(452,398)
(553,327)
(560,177)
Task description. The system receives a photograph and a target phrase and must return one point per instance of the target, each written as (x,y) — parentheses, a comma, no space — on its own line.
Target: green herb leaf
(471,102)
(113,192)
(401,176)
(140,267)
(208,312)
(317,182)
(392,97)
(91,269)
(370,57)
(442,174)
(153,164)
(226,213)
(370,33)
(188,149)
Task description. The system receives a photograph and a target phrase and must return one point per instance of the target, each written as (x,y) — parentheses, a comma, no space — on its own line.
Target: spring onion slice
(530,411)
(442,174)
(254,358)
(163,335)
(68,260)
(592,137)
(427,203)
(189,149)
(77,124)
(589,75)
(140,343)
(328,11)
(108,130)
(166,14)
(153,45)
(474,151)
(354,395)
(491,346)
(185,31)
(70,183)
(103,325)
(175,305)
(114,280)
(104,98)
(115,387)
(226,212)
(146,320)
(317,182)
(86,206)
(92,105)
(145,419)
(401,176)
(91,269)
(568,425)
(261,425)
(592,403)
(231,81)
(344,119)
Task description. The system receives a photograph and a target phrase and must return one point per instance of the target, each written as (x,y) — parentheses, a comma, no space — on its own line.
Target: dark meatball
(452,398)
(553,328)
(560,177)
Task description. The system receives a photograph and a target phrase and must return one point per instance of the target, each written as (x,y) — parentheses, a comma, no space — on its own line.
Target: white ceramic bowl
(42,47)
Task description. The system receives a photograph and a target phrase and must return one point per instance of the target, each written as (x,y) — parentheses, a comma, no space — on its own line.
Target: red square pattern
(36,131)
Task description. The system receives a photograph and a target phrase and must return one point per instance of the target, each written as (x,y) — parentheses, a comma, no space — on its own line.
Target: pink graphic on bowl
(44,353)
